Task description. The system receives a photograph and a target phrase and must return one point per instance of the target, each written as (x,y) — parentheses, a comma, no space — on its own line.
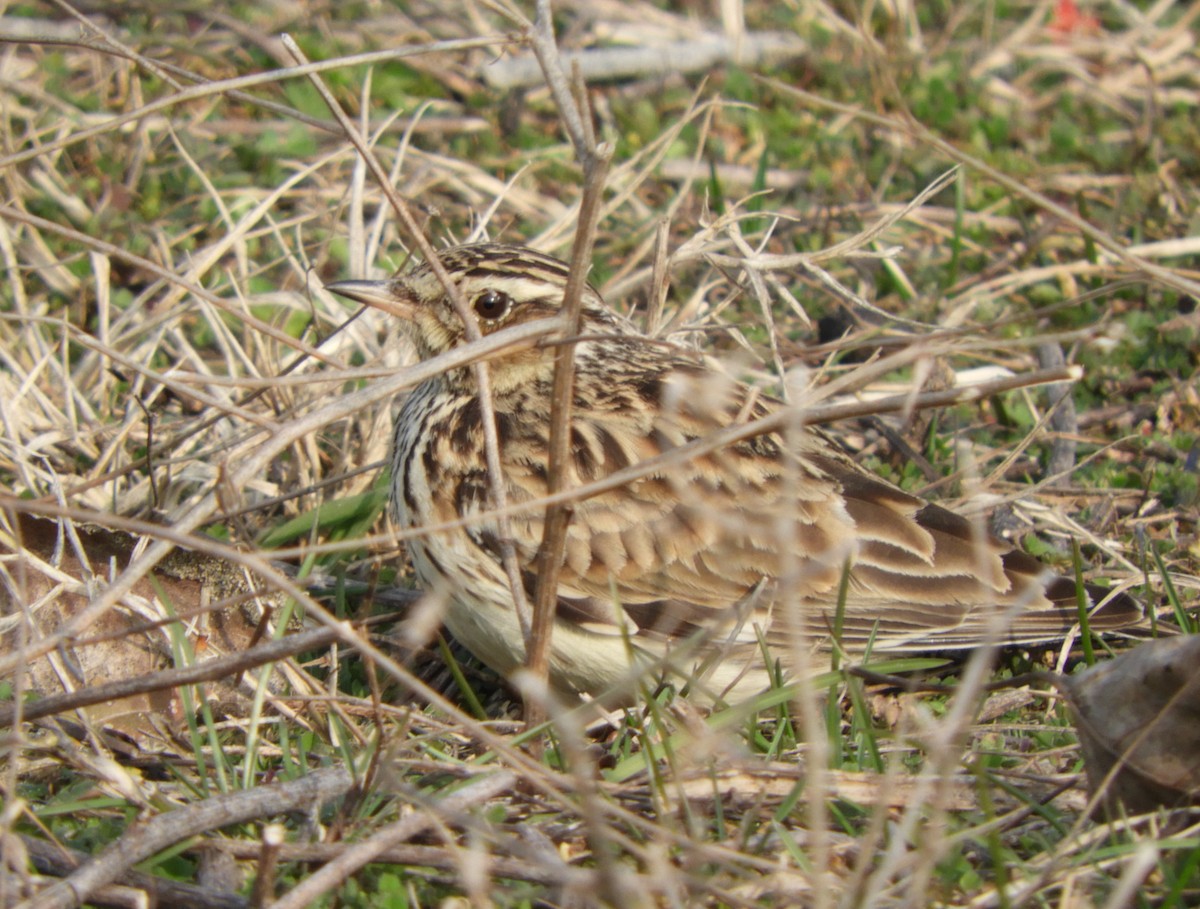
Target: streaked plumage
(697,566)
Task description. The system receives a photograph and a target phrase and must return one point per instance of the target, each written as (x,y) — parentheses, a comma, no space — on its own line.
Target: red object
(1068,19)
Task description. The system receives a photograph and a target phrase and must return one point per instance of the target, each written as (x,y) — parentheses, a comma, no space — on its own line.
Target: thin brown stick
(268,860)
(570,97)
(144,839)
(447,808)
(833,413)
(660,279)
(549,555)
(555,871)
(545,48)
(208,671)
(56,860)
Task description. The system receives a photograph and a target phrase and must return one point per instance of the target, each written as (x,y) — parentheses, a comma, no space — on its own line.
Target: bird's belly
(581,661)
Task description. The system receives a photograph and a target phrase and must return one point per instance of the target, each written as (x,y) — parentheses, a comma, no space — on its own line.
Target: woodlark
(707,570)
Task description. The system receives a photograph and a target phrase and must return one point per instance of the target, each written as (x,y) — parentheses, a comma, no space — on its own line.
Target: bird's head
(503,285)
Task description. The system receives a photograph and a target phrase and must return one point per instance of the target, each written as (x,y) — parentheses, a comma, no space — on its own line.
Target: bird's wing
(753,538)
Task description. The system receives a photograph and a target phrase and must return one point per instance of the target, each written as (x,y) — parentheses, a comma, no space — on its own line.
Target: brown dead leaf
(1138,718)
(52,575)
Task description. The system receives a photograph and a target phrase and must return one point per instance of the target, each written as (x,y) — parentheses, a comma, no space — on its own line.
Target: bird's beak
(378,294)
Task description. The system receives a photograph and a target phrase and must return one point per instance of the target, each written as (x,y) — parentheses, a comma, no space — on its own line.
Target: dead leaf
(52,576)
(1138,718)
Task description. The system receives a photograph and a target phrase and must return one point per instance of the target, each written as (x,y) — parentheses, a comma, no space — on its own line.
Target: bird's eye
(492,305)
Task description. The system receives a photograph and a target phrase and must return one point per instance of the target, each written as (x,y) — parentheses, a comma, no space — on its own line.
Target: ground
(1001,188)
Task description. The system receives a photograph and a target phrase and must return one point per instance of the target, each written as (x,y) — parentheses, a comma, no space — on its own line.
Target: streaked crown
(503,285)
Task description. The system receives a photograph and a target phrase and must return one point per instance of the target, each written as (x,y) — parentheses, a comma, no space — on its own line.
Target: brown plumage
(691,569)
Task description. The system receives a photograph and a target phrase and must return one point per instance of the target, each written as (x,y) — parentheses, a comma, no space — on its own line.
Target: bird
(722,570)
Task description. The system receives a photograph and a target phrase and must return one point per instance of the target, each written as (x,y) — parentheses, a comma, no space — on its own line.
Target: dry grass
(175,195)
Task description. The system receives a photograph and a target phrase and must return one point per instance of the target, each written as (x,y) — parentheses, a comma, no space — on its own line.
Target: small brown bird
(698,570)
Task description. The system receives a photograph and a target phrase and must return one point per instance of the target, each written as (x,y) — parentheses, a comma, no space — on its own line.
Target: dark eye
(492,305)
